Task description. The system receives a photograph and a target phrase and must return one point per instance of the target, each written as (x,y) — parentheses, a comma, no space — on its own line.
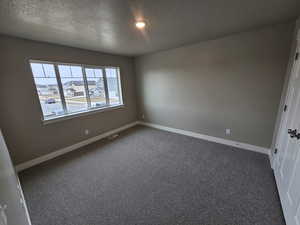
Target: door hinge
(285,108)
(275,151)
(297,56)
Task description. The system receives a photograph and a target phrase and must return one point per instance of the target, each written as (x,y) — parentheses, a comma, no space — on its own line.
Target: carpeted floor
(153,177)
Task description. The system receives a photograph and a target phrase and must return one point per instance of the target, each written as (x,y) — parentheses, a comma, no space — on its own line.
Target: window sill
(79,114)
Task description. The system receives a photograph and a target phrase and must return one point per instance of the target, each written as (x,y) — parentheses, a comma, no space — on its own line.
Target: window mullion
(60,88)
(105,86)
(87,93)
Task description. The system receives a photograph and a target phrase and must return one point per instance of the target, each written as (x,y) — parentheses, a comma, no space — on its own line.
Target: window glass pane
(96,87)
(49,70)
(89,72)
(37,69)
(76,71)
(73,86)
(64,71)
(113,85)
(98,72)
(48,92)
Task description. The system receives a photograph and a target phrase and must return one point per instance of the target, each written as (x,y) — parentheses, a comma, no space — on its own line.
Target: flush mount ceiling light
(140,24)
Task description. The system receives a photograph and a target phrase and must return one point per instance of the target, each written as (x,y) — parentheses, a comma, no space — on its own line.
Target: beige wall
(20,115)
(234,82)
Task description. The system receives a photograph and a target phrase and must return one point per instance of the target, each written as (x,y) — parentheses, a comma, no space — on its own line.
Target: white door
(13,209)
(287,159)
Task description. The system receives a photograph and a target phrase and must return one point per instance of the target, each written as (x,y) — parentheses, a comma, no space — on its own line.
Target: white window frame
(89,110)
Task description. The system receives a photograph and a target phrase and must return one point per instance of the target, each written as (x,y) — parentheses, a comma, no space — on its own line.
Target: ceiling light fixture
(140,24)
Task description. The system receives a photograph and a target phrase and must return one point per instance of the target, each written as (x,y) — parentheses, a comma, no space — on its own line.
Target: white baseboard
(209,138)
(65,150)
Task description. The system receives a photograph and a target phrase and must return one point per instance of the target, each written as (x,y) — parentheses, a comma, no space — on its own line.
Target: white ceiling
(108,25)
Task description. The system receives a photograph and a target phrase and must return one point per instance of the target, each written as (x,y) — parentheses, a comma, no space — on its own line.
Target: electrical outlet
(227,131)
(143,116)
(86,131)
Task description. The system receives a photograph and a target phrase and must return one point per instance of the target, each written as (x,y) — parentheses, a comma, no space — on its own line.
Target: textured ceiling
(108,25)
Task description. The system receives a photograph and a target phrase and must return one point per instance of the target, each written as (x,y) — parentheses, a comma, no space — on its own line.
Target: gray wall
(20,115)
(234,82)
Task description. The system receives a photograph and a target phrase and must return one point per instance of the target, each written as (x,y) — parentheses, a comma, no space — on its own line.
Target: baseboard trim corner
(209,138)
(65,150)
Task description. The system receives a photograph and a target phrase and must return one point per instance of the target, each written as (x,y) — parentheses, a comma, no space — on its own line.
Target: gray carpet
(153,177)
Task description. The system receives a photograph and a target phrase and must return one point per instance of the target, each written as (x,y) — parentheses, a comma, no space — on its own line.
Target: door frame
(296,50)
(10,178)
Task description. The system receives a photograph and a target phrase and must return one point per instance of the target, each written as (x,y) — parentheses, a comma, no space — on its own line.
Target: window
(47,89)
(113,85)
(68,89)
(95,83)
(73,88)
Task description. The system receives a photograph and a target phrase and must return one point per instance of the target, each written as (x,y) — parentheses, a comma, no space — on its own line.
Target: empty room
(136,112)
